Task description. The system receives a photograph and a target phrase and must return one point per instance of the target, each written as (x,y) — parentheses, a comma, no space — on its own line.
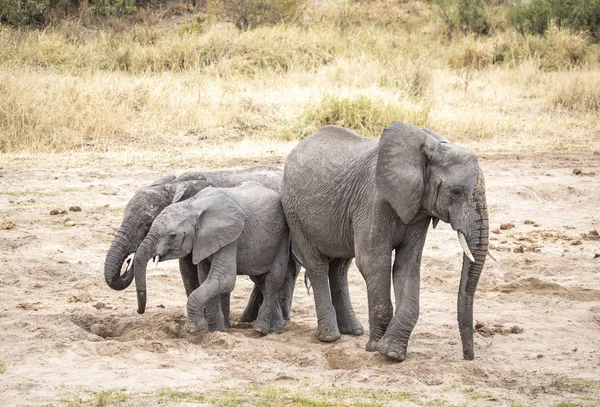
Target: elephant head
(201,226)
(419,171)
(138,216)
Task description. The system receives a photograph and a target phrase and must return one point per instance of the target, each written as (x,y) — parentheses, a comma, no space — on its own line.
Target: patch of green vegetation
(108,397)
(366,115)
(176,395)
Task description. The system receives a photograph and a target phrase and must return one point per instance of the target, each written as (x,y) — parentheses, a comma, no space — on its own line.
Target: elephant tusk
(156,259)
(129,261)
(492,257)
(463,243)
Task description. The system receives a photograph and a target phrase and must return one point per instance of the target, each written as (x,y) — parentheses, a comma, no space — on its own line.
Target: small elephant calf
(228,231)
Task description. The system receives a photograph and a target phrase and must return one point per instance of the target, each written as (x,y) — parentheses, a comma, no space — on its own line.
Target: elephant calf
(228,231)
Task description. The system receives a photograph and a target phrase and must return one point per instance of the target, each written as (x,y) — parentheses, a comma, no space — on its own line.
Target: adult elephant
(148,203)
(347,196)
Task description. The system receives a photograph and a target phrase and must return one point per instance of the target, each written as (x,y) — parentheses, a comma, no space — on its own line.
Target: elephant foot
(277,324)
(195,326)
(350,326)
(327,333)
(247,317)
(262,327)
(372,345)
(392,350)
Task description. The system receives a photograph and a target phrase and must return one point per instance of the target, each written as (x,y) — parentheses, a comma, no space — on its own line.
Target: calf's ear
(221,221)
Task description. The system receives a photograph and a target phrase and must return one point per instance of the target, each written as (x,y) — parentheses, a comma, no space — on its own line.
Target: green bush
(472,17)
(39,12)
(535,16)
(26,12)
(249,14)
(367,116)
(467,15)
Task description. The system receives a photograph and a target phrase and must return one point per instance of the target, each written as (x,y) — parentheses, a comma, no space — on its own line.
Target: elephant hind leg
(251,311)
(270,317)
(340,295)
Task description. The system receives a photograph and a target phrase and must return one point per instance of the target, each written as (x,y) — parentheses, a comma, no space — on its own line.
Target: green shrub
(365,115)
(249,14)
(472,17)
(467,15)
(535,16)
(26,12)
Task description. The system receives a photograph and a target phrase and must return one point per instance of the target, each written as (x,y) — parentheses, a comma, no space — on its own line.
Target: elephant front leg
(206,298)
(213,312)
(340,295)
(375,269)
(406,272)
(189,274)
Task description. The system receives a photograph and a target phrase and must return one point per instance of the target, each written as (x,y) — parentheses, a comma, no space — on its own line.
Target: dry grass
(180,85)
(577,91)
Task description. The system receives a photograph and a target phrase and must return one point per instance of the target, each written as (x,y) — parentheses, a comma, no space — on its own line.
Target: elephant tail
(297,260)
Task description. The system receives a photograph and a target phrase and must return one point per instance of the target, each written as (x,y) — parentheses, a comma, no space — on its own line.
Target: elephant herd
(340,196)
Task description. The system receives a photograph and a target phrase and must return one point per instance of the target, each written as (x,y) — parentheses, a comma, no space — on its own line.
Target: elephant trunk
(144,253)
(477,241)
(116,256)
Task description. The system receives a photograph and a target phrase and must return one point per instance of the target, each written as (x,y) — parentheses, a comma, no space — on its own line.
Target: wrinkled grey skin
(348,196)
(149,201)
(227,231)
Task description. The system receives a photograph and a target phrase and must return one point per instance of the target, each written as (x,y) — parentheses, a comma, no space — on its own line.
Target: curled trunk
(477,241)
(116,256)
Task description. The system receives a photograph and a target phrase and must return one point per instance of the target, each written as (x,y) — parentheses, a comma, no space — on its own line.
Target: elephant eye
(456,192)
(172,236)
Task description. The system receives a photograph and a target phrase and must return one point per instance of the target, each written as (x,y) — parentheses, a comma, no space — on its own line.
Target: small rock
(435,247)
(160,306)
(506,226)
(99,305)
(69,223)
(576,171)
(54,212)
(63,212)
(540,356)
(479,325)
(519,249)
(596,255)
(575,242)
(516,330)
(486,331)
(529,222)
(496,231)
(7,225)
(75,209)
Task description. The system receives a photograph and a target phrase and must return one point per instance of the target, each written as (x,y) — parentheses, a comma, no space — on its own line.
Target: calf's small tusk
(463,243)
(129,261)
(492,257)
(156,259)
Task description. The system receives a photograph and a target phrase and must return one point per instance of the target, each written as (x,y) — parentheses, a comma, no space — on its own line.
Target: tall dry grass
(182,83)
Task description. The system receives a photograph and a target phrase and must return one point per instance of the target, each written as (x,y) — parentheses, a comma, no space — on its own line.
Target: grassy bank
(175,83)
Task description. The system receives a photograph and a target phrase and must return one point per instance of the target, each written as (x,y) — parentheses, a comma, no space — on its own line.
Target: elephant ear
(187,189)
(163,180)
(404,151)
(220,223)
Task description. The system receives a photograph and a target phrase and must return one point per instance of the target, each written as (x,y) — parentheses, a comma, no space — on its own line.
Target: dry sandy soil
(66,338)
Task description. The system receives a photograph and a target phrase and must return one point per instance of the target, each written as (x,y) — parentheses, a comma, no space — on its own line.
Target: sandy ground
(66,338)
